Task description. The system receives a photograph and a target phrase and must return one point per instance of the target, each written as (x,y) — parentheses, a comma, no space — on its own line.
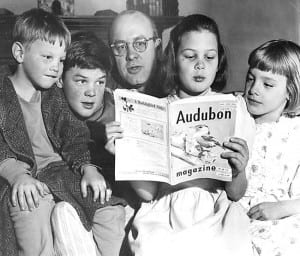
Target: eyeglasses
(119,48)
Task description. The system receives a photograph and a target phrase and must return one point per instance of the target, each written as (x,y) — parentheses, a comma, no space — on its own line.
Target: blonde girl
(272,198)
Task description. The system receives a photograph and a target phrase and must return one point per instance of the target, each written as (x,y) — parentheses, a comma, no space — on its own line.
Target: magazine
(174,141)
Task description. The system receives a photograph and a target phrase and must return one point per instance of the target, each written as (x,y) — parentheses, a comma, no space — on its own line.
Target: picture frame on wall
(59,7)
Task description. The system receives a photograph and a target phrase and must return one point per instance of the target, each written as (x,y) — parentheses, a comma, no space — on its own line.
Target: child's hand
(238,157)
(93,178)
(26,190)
(113,131)
(266,211)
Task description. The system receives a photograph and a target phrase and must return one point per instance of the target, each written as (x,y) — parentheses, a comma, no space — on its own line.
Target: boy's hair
(281,57)
(195,22)
(87,51)
(38,24)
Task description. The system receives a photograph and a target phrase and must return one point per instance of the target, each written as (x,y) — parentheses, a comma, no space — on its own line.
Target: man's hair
(38,24)
(195,22)
(87,51)
(133,12)
(280,57)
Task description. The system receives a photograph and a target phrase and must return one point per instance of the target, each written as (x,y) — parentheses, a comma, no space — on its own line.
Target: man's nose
(131,53)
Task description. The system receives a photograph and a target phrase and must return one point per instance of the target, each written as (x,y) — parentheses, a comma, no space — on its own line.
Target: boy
(44,156)
(84,80)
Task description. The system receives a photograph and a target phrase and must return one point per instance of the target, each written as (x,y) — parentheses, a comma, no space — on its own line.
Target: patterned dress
(273,175)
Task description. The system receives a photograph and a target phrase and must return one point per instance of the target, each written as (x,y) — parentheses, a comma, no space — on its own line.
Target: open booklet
(174,141)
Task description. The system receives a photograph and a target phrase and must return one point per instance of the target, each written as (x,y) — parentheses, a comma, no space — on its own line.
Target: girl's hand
(267,211)
(113,131)
(238,157)
(94,179)
(26,190)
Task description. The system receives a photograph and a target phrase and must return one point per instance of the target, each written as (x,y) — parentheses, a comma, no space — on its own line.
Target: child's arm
(274,210)
(92,178)
(25,189)
(238,159)
(146,190)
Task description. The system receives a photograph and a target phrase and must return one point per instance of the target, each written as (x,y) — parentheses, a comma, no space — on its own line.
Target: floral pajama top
(273,175)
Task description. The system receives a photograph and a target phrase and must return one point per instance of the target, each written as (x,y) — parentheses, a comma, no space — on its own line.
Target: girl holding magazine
(197,216)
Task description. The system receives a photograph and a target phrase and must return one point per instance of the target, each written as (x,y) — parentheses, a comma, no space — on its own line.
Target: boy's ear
(59,83)
(18,51)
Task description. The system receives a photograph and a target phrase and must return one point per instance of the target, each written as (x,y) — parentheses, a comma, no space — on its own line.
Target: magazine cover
(59,7)
(197,132)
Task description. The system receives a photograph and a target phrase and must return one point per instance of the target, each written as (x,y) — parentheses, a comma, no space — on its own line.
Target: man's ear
(157,42)
(18,51)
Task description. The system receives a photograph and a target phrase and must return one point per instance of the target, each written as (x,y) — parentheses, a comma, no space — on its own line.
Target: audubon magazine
(174,141)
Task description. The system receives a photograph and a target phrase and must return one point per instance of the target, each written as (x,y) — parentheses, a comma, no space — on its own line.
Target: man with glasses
(136,48)
(137,53)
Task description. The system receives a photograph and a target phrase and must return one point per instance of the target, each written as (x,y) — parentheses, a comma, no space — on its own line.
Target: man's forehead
(131,26)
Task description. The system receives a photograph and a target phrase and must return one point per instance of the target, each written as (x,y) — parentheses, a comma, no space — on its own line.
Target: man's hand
(94,179)
(26,191)
(113,131)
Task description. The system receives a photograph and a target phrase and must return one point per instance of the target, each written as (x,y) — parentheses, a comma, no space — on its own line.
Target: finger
(83,187)
(29,200)
(35,197)
(21,199)
(102,194)
(108,194)
(235,147)
(14,196)
(113,128)
(96,191)
(253,209)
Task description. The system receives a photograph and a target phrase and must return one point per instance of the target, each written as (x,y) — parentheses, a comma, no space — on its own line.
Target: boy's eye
(80,82)
(249,79)
(101,82)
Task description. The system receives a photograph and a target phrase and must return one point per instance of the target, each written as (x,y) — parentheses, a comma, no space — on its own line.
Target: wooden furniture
(98,24)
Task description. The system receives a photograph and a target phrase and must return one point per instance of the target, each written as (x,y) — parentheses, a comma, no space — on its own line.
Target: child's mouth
(87,105)
(199,78)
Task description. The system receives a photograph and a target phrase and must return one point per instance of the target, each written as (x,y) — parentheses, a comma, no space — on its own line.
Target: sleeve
(75,138)
(245,124)
(11,168)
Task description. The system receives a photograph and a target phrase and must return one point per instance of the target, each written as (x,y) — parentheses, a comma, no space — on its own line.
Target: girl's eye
(209,57)
(268,85)
(190,57)
(47,57)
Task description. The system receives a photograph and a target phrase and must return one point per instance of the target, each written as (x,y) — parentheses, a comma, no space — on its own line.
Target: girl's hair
(281,57)
(195,22)
(87,51)
(38,24)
